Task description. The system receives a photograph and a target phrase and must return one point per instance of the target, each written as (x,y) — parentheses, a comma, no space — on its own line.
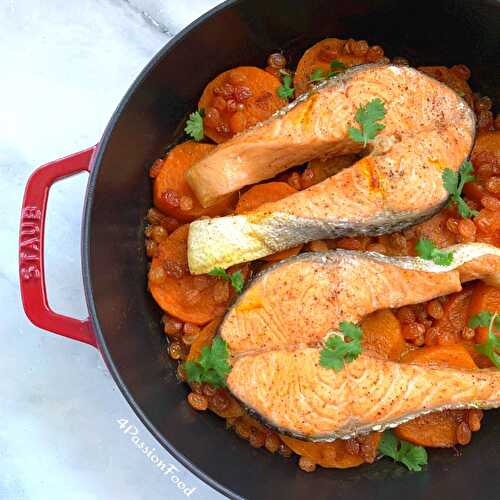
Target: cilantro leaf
(212,366)
(318,75)
(336,64)
(337,351)
(337,67)
(236,279)
(454,183)
(413,457)
(368,117)
(483,318)
(194,125)
(286,91)
(388,445)
(428,251)
(491,347)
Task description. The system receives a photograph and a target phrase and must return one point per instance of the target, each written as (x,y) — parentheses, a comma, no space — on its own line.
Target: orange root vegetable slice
(204,339)
(195,299)
(172,194)
(382,334)
(319,57)
(238,99)
(437,430)
(329,455)
(484,298)
(264,193)
(451,356)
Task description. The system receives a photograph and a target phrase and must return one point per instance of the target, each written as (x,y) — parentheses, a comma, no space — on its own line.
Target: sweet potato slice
(320,55)
(189,298)
(382,334)
(329,455)
(237,99)
(451,356)
(264,193)
(439,429)
(172,194)
(484,298)
(203,339)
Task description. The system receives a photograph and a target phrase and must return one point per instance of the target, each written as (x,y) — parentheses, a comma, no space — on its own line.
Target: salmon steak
(277,328)
(427,127)
(289,391)
(300,300)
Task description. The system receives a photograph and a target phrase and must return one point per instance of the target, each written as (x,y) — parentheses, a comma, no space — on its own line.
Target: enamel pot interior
(150,118)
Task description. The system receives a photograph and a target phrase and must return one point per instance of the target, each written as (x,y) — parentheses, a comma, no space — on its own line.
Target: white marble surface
(66,64)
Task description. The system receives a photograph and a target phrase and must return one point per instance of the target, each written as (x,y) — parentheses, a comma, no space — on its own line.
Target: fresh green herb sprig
(454,183)
(212,366)
(428,251)
(491,347)
(318,75)
(286,90)
(413,457)
(337,352)
(236,279)
(194,125)
(368,117)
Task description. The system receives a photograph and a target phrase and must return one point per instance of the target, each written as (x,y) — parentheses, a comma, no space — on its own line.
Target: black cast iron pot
(124,321)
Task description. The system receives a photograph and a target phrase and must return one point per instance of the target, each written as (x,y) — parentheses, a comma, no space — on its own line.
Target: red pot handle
(31,236)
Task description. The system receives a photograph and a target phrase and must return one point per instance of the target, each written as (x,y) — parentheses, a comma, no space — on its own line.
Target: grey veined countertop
(66,432)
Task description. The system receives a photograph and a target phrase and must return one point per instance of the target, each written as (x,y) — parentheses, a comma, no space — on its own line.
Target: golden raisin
(406,315)
(468,333)
(272,443)
(175,350)
(257,438)
(435,309)
(493,185)
(467,230)
(285,451)
(276,60)
(151,248)
(198,401)
(172,326)
(474,418)
(464,434)
(306,464)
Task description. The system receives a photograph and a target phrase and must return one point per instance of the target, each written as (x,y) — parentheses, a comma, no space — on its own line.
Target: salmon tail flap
(277,327)
(427,127)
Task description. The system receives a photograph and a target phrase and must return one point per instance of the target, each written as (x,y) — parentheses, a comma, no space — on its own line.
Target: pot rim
(85,253)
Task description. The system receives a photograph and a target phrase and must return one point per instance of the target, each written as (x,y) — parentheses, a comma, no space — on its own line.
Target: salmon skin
(428,127)
(289,391)
(298,301)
